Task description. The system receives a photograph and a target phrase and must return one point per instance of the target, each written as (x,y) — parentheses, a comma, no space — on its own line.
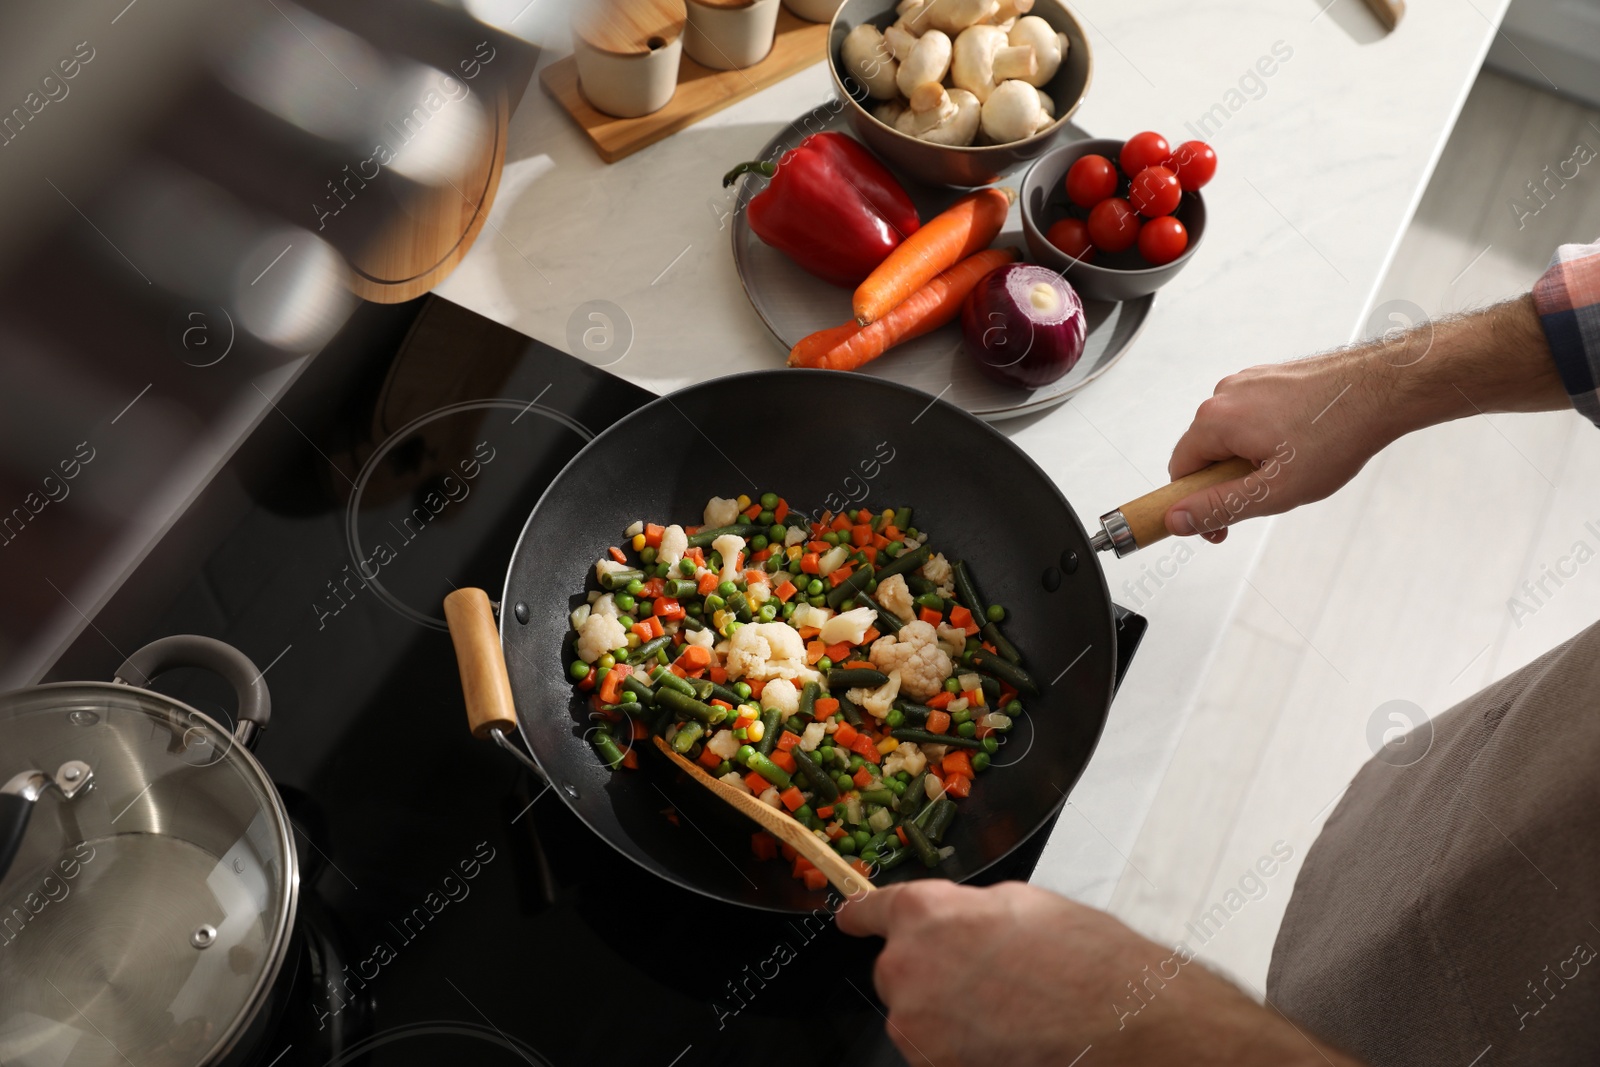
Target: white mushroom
(953,16)
(1008,11)
(1012,112)
(910,17)
(958,114)
(901,42)
(1048,46)
(1048,106)
(981,59)
(890,111)
(928,62)
(867,58)
(930,106)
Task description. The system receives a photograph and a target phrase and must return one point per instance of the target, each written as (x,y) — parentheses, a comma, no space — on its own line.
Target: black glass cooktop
(453,910)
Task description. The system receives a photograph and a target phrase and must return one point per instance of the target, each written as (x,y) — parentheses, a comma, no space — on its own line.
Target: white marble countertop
(1322,164)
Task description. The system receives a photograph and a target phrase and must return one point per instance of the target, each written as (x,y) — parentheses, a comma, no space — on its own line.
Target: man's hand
(1312,424)
(1016,975)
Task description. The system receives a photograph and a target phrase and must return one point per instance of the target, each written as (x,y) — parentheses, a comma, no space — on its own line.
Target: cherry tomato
(1090,180)
(1113,225)
(1195,162)
(1072,237)
(1162,240)
(1155,192)
(1147,149)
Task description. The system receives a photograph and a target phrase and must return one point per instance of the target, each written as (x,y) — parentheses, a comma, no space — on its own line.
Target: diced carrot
(942,700)
(656,629)
(638,730)
(841,523)
(754,575)
(956,761)
(809,563)
(958,785)
(756,685)
(860,536)
(611,688)
(879,541)
(833,832)
(652,534)
(695,657)
(839,651)
(1007,695)
(846,734)
(901,834)
(764,845)
(817,546)
(871,552)
(866,749)
(983,731)
(746,717)
(938,722)
(787,740)
(678,670)
(862,778)
(708,584)
(653,587)
(757,784)
(792,798)
(752,511)
(616,554)
(859,865)
(972,696)
(783,760)
(788,851)
(717,701)
(815,879)
(588,681)
(825,812)
(801,865)
(826,706)
(891,532)
(630,760)
(870,636)
(960,616)
(719,673)
(784,591)
(929,616)
(709,759)
(668,608)
(781,510)
(761,557)
(697,556)
(642,629)
(838,575)
(990,648)
(809,632)
(815,650)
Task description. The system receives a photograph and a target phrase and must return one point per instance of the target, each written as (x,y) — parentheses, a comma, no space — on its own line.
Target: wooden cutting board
(701,90)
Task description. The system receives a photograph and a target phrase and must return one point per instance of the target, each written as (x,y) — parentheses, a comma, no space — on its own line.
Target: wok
(822,440)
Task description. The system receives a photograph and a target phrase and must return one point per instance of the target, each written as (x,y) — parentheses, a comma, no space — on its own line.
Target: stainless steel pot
(152,885)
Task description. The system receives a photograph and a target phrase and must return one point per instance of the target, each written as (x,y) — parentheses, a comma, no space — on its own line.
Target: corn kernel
(638,542)
(793,551)
(720,618)
(977,698)
(887,745)
(757,730)
(744,501)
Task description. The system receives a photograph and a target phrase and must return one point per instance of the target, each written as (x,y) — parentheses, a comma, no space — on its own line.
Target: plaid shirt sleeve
(1567,298)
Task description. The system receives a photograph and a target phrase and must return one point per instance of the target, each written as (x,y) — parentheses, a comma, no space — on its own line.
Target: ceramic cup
(729,34)
(627,74)
(813,10)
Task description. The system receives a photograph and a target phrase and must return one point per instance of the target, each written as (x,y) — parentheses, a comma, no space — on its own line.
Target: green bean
(706,689)
(888,621)
(840,678)
(636,685)
(681,705)
(884,797)
(1003,669)
(704,538)
(808,699)
(850,586)
(613,580)
(610,754)
(890,860)
(692,624)
(666,679)
(848,709)
(771,723)
(739,604)
(919,841)
(991,688)
(923,737)
(679,587)
(902,519)
(687,735)
(770,771)
(915,714)
(944,810)
(992,634)
(820,782)
(919,585)
(932,601)
(910,561)
(648,649)
(910,801)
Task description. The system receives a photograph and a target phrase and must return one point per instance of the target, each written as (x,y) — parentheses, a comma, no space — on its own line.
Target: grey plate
(793,304)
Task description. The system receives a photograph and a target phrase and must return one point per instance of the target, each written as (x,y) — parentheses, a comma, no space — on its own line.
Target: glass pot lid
(144,918)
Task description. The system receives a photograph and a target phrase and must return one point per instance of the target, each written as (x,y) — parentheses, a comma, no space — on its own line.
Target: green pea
(625,602)
(814,587)
(832,537)
(991,744)
(896,785)
(743,689)
(758,542)
(629,696)
(824,664)
(967,729)
(765,518)
(855,762)
(579,670)
(794,566)
(788,611)
(646,608)
(769,500)
(869,856)
(634,588)
(648,553)
(727,589)
(959,717)
(686,568)
(1014,708)
(769,611)
(862,837)
(626,621)
(804,813)
(816,601)
(896,718)
(663,570)
(894,548)
(980,762)
(744,754)
(911,534)
(694,608)
(952,685)
(777,533)
(872,586)
(996,613)
(846,845)
(606,661)
(713,602)
(842,780)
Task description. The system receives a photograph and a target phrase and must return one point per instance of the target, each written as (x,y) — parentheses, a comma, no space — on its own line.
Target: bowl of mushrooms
(959,92)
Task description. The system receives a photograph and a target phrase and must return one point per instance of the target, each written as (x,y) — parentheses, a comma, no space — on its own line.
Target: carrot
(764,845)
(611,688)
(846,733)
(756,783)
(938,722)
(812,350)
(784,591)
(695,657)
(965,227)
(784,760)
(958,785)
(630,760)
(792,798)
(814,879)
(616,554)
(652,534)
(930,616)
(709,759)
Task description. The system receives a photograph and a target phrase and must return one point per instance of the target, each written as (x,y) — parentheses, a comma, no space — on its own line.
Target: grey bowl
(1122,276)
(973,165)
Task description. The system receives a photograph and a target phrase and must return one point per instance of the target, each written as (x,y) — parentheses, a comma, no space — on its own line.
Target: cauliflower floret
(916,654)
(603,567)
(937,570)
(673,544)
(851,626)
(759,593)
(780,693)
(895,595)
(721,512)
(767,650)
(770,797)
(735,779)
(606,605)
(953,639)
(600,634)
(877,702)
(812,736)
(806,615)
(705,637)
(724,744)
(906,757)
(794,536)
(729,547)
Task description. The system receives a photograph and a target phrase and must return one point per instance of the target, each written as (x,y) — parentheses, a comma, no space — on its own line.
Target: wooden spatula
(845,878)
(1389,12)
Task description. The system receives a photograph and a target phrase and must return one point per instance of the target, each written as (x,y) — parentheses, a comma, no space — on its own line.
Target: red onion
(1023,325)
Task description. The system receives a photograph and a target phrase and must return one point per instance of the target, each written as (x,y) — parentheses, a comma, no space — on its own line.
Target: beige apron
(1449,913)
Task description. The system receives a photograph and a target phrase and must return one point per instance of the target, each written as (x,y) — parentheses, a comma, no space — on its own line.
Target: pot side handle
(206,653)
(484,682)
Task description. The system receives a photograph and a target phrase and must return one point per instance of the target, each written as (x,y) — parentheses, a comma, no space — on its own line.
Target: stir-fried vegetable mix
(840,669)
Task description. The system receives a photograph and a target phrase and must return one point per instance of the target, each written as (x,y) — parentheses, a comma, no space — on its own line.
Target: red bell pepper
(830,206)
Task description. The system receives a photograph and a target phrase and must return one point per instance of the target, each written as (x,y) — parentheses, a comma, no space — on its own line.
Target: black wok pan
(822,440)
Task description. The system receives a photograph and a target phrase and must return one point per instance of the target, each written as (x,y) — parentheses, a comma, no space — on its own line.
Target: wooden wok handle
(1141,523)
(484,682)
(845,878)
(1388,11)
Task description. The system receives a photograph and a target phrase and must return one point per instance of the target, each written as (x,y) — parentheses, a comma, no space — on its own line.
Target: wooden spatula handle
(1143,522)
(484,682)
(1388,11)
